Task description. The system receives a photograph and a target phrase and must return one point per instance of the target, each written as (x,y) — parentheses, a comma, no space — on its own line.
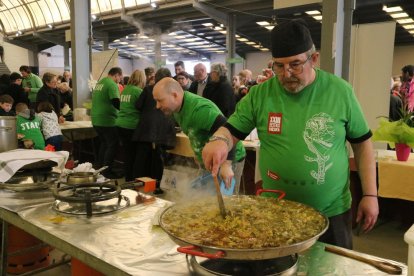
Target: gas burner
(89,198)
(278,266)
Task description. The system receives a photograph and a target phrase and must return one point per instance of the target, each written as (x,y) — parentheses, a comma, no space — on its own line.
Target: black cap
(291,38)
(15,76)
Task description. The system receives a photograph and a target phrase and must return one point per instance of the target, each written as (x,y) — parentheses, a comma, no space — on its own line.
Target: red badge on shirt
(274,123)
(273,175)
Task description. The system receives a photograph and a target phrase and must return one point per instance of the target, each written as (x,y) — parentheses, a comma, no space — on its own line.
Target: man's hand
(214,154)
(368,210)
(226,173)
(26,89)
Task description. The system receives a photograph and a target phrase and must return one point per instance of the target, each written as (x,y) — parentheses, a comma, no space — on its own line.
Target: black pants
(109,141)
(339,232)
(149,161)
(130,151)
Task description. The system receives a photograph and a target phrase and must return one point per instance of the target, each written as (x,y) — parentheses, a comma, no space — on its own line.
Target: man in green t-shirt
(303,117)
(198,118)
(104,112)
(31,84)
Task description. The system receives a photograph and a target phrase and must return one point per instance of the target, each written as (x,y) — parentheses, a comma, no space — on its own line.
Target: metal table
(128,243)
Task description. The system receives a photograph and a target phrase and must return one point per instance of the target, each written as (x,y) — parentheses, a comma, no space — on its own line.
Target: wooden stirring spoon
(381,265)
(220,198)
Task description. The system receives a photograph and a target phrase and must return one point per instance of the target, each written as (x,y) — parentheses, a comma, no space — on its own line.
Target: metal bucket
(8,133)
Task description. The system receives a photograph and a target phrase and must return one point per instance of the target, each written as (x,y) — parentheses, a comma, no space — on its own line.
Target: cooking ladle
(381,265)
(220,198)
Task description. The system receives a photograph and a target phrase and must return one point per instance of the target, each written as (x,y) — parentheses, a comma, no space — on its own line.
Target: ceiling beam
(50,39)
(219,16)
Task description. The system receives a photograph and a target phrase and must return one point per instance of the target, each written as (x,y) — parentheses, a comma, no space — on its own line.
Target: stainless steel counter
(128,243)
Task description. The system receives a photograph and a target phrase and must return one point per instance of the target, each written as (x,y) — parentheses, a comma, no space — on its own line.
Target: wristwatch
(221,138)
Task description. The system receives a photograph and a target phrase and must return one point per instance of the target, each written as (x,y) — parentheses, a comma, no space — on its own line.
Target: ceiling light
(269,27)
(50,26)
(264,49)
(117,40)
(242,39)
(263,23)
(257,46)
(143,36)
(399,15)
(391,9)
(223,32)
(173,33)
(154,5)
(405,21)
(411,32)
(250,42)
(207,24)
(317,17)
(180,37)
(93,17)
(123,43)
(313,12)
(217,28)
(408,27)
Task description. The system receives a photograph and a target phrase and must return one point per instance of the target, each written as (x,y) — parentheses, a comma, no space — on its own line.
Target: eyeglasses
(295,68)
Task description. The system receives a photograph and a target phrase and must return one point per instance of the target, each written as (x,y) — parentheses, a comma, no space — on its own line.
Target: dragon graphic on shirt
(318,136)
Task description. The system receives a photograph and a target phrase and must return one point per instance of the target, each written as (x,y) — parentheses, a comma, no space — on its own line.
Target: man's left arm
(365,162)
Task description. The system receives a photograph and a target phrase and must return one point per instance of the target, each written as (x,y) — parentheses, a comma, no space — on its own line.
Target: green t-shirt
(302,138)
(196,117)
(128,115)
(34,83)
(31,130)
(103,113)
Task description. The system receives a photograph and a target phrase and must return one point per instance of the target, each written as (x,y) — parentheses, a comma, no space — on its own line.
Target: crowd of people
(402,93)
(303,116)
(38,104)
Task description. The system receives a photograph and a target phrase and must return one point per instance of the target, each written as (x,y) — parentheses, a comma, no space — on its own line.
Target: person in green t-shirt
(198,118)
(104,112)
(31,84)
(29,127)
(304,116)
(128,118)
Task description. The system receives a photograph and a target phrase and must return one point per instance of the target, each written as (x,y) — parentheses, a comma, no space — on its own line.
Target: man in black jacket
(16,91)
(220,90)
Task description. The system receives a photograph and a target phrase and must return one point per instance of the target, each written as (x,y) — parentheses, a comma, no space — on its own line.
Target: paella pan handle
(281,193)
(195,251)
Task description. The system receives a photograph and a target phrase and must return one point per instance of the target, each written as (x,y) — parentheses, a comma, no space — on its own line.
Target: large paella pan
(255,228)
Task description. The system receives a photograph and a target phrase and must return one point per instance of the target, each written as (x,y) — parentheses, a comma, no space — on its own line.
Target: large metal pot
(8,133)
(238,254)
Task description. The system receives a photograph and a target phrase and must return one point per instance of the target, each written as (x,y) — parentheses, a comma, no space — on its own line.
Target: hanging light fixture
(153,4)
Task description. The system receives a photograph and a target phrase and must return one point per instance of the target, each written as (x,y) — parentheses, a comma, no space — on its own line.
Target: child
(29,127)
(6,104)
(50,125)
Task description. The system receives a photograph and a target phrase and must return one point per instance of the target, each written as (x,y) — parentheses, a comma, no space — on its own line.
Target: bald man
(199,118)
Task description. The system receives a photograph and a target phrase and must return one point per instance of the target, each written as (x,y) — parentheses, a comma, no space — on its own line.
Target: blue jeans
(55,141)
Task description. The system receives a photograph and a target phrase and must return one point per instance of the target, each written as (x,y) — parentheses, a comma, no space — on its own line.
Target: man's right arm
(215,152)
